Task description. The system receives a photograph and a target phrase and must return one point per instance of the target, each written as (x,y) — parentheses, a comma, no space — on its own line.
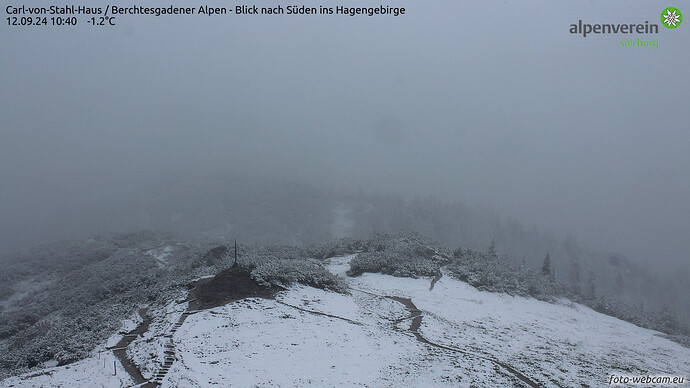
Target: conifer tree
(546,266)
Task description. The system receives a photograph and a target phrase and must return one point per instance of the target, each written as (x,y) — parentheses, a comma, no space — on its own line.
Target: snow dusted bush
(284,272)
(283,265)
(392,263)
(403,255)
(486,271)
(408,255)
(338,247)
(74,295)
(259,254)
(5,286)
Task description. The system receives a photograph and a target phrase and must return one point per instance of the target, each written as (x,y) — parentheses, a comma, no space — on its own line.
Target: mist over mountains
(224,207)
(478,145)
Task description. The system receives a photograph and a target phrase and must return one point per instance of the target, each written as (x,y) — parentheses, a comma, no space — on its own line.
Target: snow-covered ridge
(311,337)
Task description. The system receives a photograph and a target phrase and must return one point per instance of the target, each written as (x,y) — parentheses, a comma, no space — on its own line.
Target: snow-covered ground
(260,342)
(128,325)
(311,337)
(148,350)
(160,255)
(95,371)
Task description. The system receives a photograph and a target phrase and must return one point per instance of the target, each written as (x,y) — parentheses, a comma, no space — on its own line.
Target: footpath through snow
(388,332)
(398,332)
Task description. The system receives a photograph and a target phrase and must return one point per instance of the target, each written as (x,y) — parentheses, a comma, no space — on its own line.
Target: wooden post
(114,368)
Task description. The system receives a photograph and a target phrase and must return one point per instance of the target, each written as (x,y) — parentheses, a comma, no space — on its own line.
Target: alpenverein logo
(671,17)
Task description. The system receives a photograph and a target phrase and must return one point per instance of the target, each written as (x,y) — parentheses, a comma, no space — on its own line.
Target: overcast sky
(493,103)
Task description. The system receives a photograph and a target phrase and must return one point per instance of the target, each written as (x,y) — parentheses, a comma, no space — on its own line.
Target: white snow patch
(160,254)
(128,325)
(339,265)
(95,371)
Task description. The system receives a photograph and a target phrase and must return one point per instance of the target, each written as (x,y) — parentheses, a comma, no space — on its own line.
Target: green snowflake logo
(671,17)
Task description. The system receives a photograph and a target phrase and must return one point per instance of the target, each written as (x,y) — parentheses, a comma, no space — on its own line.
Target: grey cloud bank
(514,114)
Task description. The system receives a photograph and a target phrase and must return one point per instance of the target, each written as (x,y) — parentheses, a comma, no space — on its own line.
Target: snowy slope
(562,344)
(311,337)
(95,371)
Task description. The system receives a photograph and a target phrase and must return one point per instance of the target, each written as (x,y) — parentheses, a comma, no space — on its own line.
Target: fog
(491,103)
